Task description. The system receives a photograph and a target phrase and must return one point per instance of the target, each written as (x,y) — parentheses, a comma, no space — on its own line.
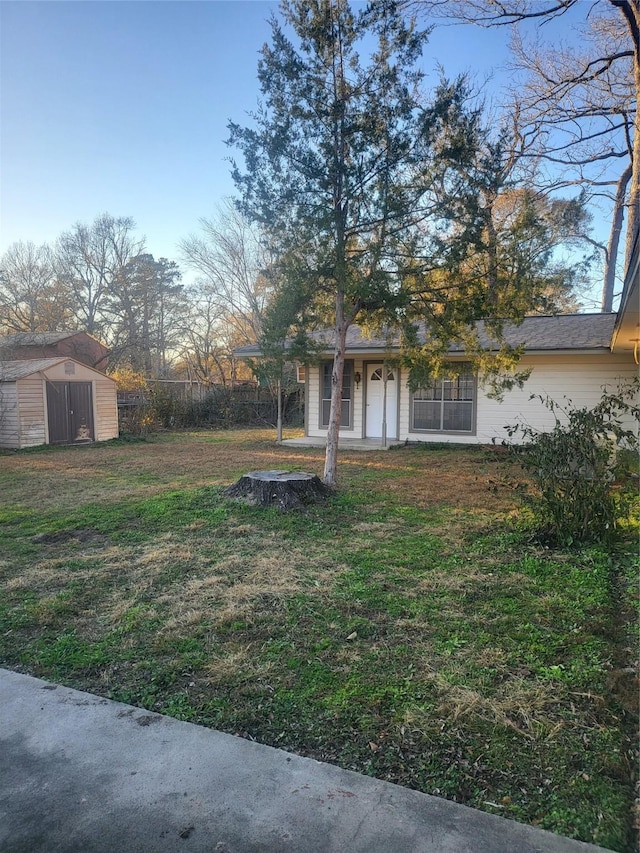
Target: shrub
(582,468)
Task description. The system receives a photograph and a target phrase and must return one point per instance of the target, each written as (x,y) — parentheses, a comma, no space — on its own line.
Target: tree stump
(284,489)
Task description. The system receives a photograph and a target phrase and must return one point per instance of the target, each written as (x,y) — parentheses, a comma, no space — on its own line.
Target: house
(55,401)
(71,344)
(572,356)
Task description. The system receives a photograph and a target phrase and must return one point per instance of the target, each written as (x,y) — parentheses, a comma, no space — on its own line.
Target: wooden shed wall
(31,411)
(9,432)
(105,405)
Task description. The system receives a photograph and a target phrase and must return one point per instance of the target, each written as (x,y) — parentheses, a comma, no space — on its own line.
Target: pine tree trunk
(330,476)
(279,416)
(633,222)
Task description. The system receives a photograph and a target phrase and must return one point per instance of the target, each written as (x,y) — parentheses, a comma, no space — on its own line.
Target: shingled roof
(561,332)
(10,371)
(34,339)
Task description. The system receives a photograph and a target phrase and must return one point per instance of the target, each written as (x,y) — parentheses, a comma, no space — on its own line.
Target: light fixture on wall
(636,344)
(358,378)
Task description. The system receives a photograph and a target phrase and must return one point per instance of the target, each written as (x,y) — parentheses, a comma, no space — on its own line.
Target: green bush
(583,468)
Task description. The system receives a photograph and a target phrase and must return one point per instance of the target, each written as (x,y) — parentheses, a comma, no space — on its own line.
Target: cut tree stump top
(279,476)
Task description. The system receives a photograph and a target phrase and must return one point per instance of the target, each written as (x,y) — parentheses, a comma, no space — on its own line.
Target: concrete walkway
(84,774)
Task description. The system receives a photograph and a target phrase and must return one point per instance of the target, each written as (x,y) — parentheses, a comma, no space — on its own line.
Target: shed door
(70,408)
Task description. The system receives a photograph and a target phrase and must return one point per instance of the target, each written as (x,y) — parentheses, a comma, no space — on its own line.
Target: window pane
(459,388)
(347,379)
(326,406)
(325,392)
(448,389)
(446,404)
(431,392)
(465,387)
(468,388)
(426,415)
(457,416)
(327,367)
(347,375)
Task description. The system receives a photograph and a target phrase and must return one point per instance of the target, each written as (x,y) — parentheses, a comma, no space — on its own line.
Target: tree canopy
(381,201)
(573,105)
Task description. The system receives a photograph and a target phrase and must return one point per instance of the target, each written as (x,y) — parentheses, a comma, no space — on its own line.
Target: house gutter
(382,351)
(629,291)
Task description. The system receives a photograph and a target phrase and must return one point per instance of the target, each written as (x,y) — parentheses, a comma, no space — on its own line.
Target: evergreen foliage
(380,202)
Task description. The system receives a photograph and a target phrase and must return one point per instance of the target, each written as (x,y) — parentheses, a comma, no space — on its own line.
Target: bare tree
(30,298)
(231,261)
(89,261)
(575,112)
(200,353)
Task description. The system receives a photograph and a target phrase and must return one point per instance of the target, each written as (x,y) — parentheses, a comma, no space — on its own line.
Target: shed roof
(561,332)
(10,371)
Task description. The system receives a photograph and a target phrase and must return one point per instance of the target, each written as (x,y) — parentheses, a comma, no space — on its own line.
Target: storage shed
(55,401)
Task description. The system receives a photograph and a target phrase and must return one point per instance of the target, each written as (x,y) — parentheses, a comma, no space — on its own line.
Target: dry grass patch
(244,660)
(243,586)
(528,708)
(376,529)
(64,478)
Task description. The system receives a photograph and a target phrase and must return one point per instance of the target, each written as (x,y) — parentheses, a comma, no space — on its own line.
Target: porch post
(279,414)
(384,403)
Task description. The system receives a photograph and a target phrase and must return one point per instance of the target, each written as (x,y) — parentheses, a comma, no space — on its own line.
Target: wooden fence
(185,405)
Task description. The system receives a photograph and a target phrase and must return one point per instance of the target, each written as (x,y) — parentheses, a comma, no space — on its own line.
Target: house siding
(313,404)
(357,430)
(580,378)
(9,432)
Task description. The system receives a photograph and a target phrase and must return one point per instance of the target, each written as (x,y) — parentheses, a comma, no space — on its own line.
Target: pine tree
(362,184)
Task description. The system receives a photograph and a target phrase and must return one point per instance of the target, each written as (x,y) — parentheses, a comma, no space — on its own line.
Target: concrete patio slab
(82,774)
(343,443)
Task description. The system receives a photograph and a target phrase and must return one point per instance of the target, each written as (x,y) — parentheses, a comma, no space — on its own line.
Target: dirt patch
(58,537)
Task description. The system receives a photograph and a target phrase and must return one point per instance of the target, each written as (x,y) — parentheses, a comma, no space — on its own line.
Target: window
(376,375)
(326,369)
(301,372)
(446,405)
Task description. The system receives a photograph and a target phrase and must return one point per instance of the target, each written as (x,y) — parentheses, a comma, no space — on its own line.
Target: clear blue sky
(122,107)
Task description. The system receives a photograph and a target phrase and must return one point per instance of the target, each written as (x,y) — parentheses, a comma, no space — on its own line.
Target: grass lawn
(410,628)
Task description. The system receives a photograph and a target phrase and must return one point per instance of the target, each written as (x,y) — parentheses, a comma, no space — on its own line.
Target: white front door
(375,401)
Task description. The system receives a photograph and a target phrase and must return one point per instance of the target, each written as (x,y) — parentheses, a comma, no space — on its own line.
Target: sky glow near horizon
(122,107)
